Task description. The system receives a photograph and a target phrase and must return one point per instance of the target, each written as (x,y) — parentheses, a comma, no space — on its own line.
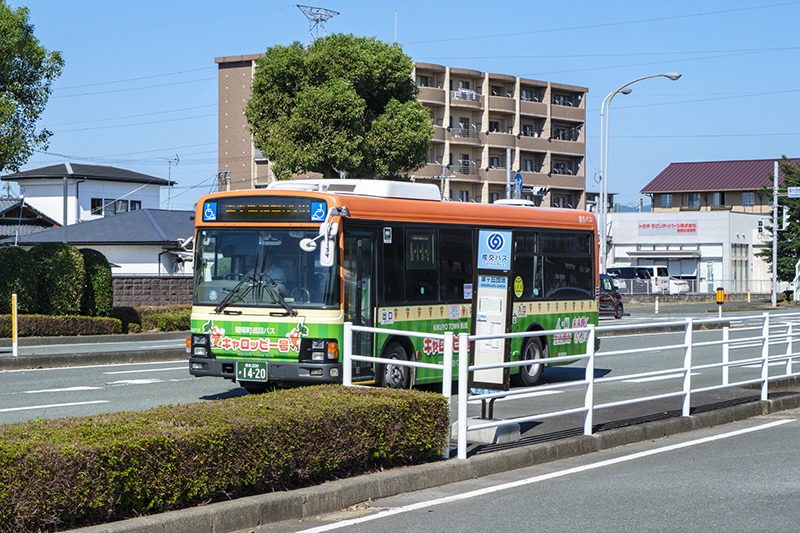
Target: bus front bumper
(278,371)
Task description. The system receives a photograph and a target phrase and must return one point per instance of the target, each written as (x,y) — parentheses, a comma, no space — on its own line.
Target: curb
(253,511)
(6,342)
(30,362)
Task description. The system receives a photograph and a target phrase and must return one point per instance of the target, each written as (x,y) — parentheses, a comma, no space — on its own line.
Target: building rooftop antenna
(318,18)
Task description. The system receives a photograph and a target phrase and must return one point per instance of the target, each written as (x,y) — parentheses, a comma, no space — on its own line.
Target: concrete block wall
(152,290)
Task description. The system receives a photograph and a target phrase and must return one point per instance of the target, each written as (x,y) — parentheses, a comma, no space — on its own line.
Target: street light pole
(603,202)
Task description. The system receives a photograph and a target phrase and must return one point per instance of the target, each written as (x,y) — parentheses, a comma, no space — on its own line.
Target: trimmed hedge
(98,288)
(58,326)
(71,472)
(142,318)
(17,275)
(60,278)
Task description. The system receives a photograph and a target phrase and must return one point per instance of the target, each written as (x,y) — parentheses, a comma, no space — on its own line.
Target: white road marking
(50,406)
(537,479)
(135,382)
(68,389)
(185,362)
(658,378)
(147,370)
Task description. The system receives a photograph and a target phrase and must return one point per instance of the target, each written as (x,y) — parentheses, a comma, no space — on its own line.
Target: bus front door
(359,297)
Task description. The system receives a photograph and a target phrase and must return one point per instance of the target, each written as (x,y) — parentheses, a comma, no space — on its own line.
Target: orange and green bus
(278,271)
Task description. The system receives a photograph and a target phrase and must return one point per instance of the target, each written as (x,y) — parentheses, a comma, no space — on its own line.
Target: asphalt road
(737,477)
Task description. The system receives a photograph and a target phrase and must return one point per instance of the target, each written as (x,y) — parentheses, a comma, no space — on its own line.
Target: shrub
(70,472)
(98,289)
(17,276)
(58,326)
(60,278)
(175,321)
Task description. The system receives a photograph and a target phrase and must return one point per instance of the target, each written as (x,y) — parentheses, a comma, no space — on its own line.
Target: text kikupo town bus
(278,271)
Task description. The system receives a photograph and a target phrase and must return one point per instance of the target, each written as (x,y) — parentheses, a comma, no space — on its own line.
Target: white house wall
(141,259)
(48,196)
(691,244)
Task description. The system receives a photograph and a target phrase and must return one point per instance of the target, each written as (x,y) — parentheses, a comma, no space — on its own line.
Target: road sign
(793,192)
(517,185)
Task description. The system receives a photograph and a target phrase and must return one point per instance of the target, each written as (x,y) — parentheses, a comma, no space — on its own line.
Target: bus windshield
(262,268)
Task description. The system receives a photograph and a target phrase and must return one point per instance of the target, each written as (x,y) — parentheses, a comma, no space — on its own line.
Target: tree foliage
(26,71)
(60,278)
(344,104)
(17,276)
(788,240)
(98,287)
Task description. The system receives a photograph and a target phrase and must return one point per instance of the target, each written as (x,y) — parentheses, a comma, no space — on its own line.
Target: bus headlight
(319,350)
(200,345)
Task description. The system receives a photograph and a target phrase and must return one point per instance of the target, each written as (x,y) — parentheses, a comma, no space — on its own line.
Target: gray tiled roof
(88,172)
(143,226)
(747,175)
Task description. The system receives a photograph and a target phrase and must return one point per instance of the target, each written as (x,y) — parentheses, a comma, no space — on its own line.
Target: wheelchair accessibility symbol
(318,211)
(210,212)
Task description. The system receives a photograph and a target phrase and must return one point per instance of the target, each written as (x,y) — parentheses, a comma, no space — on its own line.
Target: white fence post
(463,377)
(588,399)
(726,354)
(447,384)
(347,348)
(687,368)
(765,359)
(789,343)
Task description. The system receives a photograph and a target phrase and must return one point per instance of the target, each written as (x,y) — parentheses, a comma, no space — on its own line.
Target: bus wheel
(256,387)
(529,375)
(395,376)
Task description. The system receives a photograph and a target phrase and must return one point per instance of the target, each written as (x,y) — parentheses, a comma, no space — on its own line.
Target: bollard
(14,327)
(720,297)
(656,304)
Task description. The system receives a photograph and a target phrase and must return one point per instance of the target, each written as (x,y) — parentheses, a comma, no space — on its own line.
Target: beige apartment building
(480,119)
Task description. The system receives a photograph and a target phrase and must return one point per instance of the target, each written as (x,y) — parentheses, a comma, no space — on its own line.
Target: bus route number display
(265,209)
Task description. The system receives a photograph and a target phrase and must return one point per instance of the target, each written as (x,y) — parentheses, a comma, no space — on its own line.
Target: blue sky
(139,87)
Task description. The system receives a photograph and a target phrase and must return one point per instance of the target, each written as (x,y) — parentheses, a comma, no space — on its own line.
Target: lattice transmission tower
(318,18)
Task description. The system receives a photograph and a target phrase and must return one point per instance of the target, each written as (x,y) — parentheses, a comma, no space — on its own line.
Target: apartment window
(463,85)
(135,205)
(694,199)
(748,198)
(528,165)
(666,201)
(424,81)
(493,197)
(718,199)
(463,196)
(494,162)
(560,201)
(563,167)
(121,206)
(494,125)
(528,130)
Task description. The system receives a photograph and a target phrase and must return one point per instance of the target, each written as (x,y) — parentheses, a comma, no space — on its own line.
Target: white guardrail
(760,333)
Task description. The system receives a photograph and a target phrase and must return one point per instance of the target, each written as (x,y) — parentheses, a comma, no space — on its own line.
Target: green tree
(98,286)
(26,71)
(344,104)
(61,277)
(17,276)
(788,239)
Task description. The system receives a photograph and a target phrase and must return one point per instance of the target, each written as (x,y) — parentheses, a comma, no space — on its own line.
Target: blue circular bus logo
(495,241)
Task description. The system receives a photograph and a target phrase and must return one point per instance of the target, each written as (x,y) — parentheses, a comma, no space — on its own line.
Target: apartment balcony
(465,98)
(464,135)
(533,144)
(502,104)
(575,114)
(501,140)
(566,181)
(568,147)
(430,170)
(431,95)
(438,134)
(537,109)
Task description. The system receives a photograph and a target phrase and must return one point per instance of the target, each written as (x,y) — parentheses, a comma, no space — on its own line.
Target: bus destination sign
(265,209)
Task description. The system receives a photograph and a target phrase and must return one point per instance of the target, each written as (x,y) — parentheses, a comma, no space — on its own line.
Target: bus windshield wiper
(262,279)
(229,297)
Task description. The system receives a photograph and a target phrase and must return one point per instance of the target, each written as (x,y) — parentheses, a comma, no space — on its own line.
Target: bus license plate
(251,371)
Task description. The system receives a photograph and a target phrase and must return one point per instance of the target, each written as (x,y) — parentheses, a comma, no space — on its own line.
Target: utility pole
(775,235)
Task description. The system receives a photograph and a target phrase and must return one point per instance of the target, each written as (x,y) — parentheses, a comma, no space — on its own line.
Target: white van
(659,276)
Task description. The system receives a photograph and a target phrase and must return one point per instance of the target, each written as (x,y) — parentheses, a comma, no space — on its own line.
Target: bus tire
(256,387)
(532,350)
(395,376)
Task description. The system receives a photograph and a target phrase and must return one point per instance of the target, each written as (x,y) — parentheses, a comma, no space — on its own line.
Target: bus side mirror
(327,248)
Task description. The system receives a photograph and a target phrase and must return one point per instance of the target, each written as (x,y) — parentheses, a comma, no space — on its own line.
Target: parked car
(610,299)
(657,278)
(678,286)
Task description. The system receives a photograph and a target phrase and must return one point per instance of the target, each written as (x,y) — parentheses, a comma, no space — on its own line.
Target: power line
(133,79)
(56,95)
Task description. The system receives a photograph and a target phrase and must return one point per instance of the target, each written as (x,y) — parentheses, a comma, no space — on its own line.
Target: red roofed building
(713,185)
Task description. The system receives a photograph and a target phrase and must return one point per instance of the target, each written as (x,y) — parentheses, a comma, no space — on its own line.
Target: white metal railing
(754,337)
